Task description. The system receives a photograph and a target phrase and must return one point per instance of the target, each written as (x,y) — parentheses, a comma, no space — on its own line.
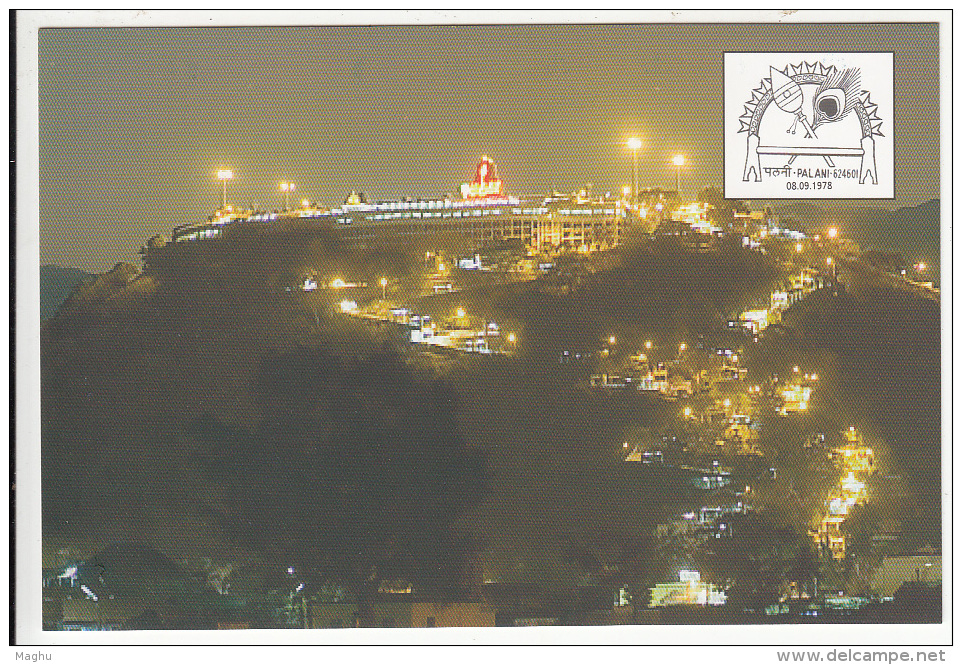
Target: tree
(355,467)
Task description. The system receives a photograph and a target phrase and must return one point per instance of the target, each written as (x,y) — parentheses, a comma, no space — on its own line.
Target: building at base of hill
(401,612)
(689,590)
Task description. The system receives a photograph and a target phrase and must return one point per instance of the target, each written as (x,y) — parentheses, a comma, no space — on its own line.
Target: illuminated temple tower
(485,184)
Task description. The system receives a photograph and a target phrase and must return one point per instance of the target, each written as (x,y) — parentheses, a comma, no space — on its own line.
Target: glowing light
(626,190)
(225,174)
(678,160)
(383,281)
(920,267)
(634,143)
(612,340)
(441,267)
(735,358)
(687,412)
(485,183)
(814,377)
(798,247)
(286,186)
(648,344)
(795,369)
(348,306)
(829,260)
(460,312)
(625,445)
(833,233)
(727,402)
(338,283)
(305,203)
(682,347)
(512,338)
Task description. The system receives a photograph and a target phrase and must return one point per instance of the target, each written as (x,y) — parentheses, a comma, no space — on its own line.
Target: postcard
(365,328)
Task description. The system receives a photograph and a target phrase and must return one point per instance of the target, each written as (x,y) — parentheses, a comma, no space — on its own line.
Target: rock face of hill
(202,408)
(56,285)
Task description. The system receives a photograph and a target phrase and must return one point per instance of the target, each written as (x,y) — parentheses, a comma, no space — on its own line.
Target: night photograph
(622,326)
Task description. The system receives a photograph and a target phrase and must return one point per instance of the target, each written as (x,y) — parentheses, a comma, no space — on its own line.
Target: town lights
(338,283)
(348,306)
(224,175)
(833,233)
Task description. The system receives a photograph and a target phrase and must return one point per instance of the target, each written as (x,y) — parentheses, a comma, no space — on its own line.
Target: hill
(56,284)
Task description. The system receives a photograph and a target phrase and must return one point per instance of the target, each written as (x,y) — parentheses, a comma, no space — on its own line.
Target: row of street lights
(286,187)
(634,144)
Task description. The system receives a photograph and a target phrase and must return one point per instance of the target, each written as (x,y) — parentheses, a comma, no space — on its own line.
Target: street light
(384,288)
(634,144)
(920,266)
(682,347)
(224,175)
(833,233)
(648,344)
(460,312)
(798,247)
(678,161)
(612,340)
(287,188)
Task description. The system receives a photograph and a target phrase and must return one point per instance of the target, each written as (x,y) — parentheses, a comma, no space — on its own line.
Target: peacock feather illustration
(837,95)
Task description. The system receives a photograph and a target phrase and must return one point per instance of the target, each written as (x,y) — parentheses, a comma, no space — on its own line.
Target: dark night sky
(134,122)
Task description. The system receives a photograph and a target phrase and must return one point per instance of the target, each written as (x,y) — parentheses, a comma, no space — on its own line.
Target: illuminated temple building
(484,215)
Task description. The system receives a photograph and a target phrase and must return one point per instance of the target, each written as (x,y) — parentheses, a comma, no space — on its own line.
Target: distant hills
(56,283)
(913,231)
